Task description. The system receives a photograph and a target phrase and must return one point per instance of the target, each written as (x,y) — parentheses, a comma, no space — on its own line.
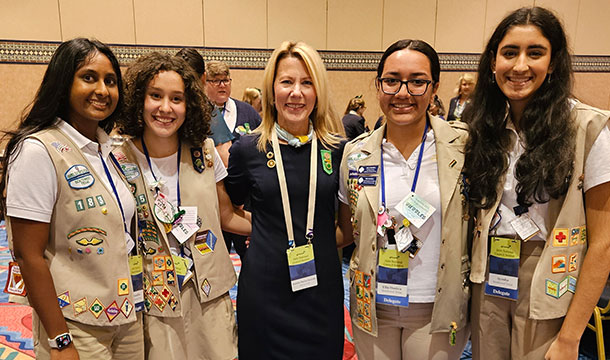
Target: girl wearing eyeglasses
(402,204)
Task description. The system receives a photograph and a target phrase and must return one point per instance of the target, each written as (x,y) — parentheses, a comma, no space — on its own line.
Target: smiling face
(164,106)
(403,108)
(522,63)
(294,94)
(94,94)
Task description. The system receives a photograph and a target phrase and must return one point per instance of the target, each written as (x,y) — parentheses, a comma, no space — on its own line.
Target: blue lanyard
(153,172)
(116,194)
(419,159)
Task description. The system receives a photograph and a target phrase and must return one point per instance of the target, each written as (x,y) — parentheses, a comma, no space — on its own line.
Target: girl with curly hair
(538,179)
(69,214)
(177,179)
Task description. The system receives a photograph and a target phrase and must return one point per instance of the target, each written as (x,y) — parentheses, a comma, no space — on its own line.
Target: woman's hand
(562,350)
(68,353)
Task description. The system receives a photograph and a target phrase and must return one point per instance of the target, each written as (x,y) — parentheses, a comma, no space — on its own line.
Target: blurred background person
(465,86)
(437,108)
(253,97)
(353,120)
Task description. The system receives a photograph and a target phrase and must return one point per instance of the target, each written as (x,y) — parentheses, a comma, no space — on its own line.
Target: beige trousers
(404,333)
(206,331)
(501,328)
(120,342)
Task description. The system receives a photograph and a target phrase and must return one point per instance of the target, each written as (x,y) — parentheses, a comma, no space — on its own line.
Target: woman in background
(58,161)
(408,275)
(290,293)
(253,97)
(353,119)
(539,178)
(465,85)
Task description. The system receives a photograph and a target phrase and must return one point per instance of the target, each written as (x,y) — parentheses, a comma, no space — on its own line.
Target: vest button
(104,211)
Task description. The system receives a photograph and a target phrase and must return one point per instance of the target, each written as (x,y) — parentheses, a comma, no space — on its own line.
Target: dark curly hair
(196,125)
(52,100)
(545,168)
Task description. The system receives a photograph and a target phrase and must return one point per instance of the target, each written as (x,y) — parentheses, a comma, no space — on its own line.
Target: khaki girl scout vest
(214,272)
(453,289)
(553,285)
(86,254)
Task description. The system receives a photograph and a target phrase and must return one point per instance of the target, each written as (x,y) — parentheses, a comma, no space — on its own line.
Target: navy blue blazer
(245,114)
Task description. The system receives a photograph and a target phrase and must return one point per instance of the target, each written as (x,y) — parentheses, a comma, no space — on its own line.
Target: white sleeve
(342,195)
(31,190)
(220,172)
(597,166)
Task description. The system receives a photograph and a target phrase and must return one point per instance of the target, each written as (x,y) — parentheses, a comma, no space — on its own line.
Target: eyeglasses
(415,87)
(224,82)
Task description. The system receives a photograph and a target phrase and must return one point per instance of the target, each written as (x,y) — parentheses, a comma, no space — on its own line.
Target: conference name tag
(302,267)
(392,276)
(415,209)
(503,268)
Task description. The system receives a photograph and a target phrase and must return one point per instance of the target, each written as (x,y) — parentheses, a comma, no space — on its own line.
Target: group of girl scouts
(476,231)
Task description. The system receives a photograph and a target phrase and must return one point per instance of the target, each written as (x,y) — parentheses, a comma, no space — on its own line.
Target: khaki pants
(501,328)
(95,342)
(404,333)
(206,331)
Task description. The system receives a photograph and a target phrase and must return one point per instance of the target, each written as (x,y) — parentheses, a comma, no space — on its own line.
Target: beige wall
(451,26)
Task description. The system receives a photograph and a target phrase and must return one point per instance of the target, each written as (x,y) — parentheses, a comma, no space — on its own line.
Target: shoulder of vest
(458,125)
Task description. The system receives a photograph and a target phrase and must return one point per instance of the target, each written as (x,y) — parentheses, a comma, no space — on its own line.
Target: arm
(223,151)
(30,239)
(344,232)
(593,275)
(232,219)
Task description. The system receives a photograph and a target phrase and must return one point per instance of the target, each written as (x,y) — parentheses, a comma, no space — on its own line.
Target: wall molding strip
(40,52)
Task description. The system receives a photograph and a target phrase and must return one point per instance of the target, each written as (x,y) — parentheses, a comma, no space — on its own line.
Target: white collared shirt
(32,183)
(230,114)
(596,172)
(399,174)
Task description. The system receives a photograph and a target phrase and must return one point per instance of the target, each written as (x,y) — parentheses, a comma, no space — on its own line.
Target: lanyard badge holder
(301,262)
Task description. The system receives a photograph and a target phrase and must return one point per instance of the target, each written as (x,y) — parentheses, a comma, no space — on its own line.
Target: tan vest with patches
(213,270)
(86,253)
(552,286)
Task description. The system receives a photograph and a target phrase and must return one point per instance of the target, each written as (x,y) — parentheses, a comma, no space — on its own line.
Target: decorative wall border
(39,52)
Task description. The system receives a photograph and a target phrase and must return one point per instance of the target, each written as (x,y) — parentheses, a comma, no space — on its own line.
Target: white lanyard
(281,176)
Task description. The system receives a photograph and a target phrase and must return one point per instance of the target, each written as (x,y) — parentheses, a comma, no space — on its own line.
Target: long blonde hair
(326,123)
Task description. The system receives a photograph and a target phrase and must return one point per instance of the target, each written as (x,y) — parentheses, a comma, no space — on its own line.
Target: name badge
(367,180)
(135,269)
(392,275)
(525,227)
(302,267)
(503,268)
(186,225)
(368,169)
(415,209)
(164,210)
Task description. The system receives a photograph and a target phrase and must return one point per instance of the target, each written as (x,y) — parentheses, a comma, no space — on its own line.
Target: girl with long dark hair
(537,178)
(69,213)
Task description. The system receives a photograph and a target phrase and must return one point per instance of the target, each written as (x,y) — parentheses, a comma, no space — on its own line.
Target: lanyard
(153,172)
(419,159)
(116,194)
(284,190)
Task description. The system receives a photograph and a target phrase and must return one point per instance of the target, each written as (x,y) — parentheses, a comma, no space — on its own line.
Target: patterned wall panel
(38,52)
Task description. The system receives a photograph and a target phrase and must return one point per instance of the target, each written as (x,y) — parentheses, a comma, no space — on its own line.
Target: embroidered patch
(86,229)
(148,231)
(573,264)
(80,306)
(86,242)
(61,148)
(112,311)
(169,263)
(206,287)
(583,234)
(205,242)
(100,200)
(571,284)
(157,278)
(147,303)
(362,288)
(165,293)
(14,282)
(90,202)
(159,303)
(552,288)
(171,278)
(146,282)
(80,205)
(574,236)
(141,199)
(123,287)
(327,162)
(126,307)
(172,302)
(130,171)
(560,237)
(96,308)
(159,263)
(563,286)
(79,177)
(367,180)
(63,299)
(558,264)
